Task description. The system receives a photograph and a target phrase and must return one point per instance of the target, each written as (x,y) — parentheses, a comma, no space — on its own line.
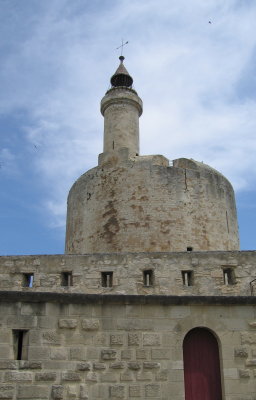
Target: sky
(193,65)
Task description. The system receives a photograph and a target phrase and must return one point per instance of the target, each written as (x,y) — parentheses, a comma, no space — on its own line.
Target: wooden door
(201,366)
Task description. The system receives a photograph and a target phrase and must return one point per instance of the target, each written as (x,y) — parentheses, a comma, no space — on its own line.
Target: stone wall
(140,204)
(206,269)
(103,348)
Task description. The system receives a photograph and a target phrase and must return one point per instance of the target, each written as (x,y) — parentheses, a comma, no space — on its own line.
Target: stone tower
(140,203)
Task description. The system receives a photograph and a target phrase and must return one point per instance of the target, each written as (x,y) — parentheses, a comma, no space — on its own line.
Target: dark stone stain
(111,227)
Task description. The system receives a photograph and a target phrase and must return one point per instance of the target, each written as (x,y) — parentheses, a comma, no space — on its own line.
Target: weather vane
(122,46)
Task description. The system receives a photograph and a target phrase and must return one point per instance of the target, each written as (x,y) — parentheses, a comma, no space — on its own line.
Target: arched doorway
(201,366)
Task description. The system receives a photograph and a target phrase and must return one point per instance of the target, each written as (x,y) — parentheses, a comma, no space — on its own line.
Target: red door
(201,366)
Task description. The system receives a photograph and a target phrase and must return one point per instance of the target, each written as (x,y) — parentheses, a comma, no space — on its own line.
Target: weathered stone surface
(250,362)
(51,337)
(161,354)
(144,376)
(117,339)
(109,377)
(38,353)
(142,354)
(92,377)
(59,353)
(7,364)
(99,366)
(68,323)
(6,391)
(90,324)
(127,376)
(83,366)
(108,354)
(77,353)
(152,390)
(84,392)
(126,354)
(151,365)
(5,336)
(70,376)
(22,322)
(244,373)
(57,392)
(30,364)
(151,339)
(248,338)
(72,392)
(117,392)
(45,376)
(162,375)
(16,376)
(241,352)
(134,391)
(135,366)
(133,339)
(33,392)
(117,365)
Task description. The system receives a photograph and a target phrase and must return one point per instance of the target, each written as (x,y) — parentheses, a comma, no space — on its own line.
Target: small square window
(187,278)
(28,280)
(148,277)
(229,276)
(20,344)
(189,248)
(66,279)
(107,279)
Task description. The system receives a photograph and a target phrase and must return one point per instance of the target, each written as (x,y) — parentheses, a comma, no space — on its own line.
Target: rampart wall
(187,273)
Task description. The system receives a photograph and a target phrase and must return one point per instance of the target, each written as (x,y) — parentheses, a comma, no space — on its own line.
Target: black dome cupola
(121,77)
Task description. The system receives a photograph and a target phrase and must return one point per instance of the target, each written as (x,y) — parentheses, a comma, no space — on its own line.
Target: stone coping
(149,254)
(101,299)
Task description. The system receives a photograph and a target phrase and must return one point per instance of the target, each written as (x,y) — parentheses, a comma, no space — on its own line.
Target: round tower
(132,203)
(121,108)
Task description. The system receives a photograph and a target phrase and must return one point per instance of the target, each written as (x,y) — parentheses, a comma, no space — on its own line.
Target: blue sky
(197,81)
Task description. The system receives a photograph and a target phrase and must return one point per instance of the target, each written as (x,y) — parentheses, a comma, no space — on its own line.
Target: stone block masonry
(215,273)
(96,349)
(144,205)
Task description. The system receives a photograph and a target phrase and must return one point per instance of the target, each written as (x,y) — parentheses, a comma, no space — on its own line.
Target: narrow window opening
(187,278)
(148,277)
(113,144)
(229,276)
(28,280)
(107,279)
(66,279)
(20,344)
(189,248)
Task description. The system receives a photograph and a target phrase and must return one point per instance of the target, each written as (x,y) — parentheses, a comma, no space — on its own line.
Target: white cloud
(187,71)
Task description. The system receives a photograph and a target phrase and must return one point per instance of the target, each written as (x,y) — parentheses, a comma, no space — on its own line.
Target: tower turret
(121,108)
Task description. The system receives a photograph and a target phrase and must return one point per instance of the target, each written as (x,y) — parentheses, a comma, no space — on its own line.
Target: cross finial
(122,46)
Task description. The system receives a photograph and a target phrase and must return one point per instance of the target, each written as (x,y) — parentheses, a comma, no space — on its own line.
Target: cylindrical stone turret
(121,108)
